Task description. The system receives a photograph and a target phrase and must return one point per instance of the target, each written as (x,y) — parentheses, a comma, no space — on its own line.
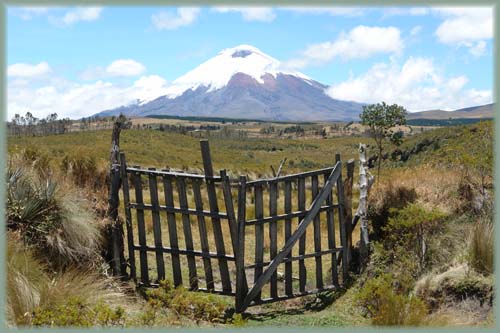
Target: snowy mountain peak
(216,72)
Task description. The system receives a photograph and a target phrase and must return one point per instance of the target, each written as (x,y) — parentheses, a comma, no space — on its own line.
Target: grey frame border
(273,3)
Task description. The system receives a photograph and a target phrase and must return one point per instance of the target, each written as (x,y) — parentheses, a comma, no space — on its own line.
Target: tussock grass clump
(33,292)
(455,284)
(481,247)
(60,230)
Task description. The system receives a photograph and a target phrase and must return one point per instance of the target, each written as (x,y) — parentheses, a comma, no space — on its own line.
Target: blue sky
(80,60)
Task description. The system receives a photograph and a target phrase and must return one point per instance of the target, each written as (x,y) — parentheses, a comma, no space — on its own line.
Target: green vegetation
(389,308)
(381,120)
(221,119)
(444,122)
(422,212)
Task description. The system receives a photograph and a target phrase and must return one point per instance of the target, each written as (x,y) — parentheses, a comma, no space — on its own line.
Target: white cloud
(466,26)
(82,14)
(360,42)
(397,11)
(28,13)
(170,21)
(74,100)
(333,11)
(28,70)
(261,14)
(125,67)
(476,49)
(417,85)
(117,68)
(415,30)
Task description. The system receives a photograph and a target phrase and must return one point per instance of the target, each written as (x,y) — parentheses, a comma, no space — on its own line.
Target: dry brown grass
(435,187)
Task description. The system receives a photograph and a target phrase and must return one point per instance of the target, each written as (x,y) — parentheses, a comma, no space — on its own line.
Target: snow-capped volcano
(244,82)
(218,71)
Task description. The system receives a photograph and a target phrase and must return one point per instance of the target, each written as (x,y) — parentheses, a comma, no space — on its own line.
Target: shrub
(196,306)
(76,312)
(388,308)
(409,230)
(83,169)
(37,159)
(481,249)
(387,198)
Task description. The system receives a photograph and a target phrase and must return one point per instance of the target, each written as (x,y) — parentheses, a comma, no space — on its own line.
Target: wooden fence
(216,248)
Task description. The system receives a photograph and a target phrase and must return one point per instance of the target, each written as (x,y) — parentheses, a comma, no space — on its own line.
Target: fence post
(343,235)
(114,253)
(348,204)
(365,182)
(241,283)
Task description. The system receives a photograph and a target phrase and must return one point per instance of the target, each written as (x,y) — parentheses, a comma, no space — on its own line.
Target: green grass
(161,149)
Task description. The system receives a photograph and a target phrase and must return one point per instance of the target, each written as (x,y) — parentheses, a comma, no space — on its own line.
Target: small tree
(381,119)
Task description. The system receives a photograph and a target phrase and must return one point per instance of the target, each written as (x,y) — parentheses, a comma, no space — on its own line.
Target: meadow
(422,212)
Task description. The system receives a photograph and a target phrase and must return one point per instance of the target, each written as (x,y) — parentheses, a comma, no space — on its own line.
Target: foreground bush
(61,231)
(196,306)
(389,308)
(385,199)
(37,297)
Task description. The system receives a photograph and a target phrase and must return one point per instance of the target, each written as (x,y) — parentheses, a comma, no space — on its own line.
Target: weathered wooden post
(241,282)
(114,252)
(365,182)
(348,204)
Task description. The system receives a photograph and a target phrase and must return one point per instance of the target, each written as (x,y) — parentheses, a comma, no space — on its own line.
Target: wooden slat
(172,231)
(317,236)
(288,233)
(343,235)
(153,192)
(143,258)
(313,210)
(228,201)
(188,237)
(128,215)
(241,281)
(214,208)
(259,232)
(330,223)
(273,234)
(301,187)
(207,264)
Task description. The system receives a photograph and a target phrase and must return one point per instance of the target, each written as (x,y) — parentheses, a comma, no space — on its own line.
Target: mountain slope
(482,111)
(243,82)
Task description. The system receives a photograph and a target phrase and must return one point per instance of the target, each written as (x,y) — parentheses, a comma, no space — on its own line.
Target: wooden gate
(305,217)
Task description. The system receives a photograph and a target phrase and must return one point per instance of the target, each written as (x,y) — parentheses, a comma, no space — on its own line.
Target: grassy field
(435,172)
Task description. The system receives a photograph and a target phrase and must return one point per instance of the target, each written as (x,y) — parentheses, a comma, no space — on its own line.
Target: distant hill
(481,111)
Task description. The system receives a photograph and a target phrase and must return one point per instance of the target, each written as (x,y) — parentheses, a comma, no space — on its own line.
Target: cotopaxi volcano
(244,82)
